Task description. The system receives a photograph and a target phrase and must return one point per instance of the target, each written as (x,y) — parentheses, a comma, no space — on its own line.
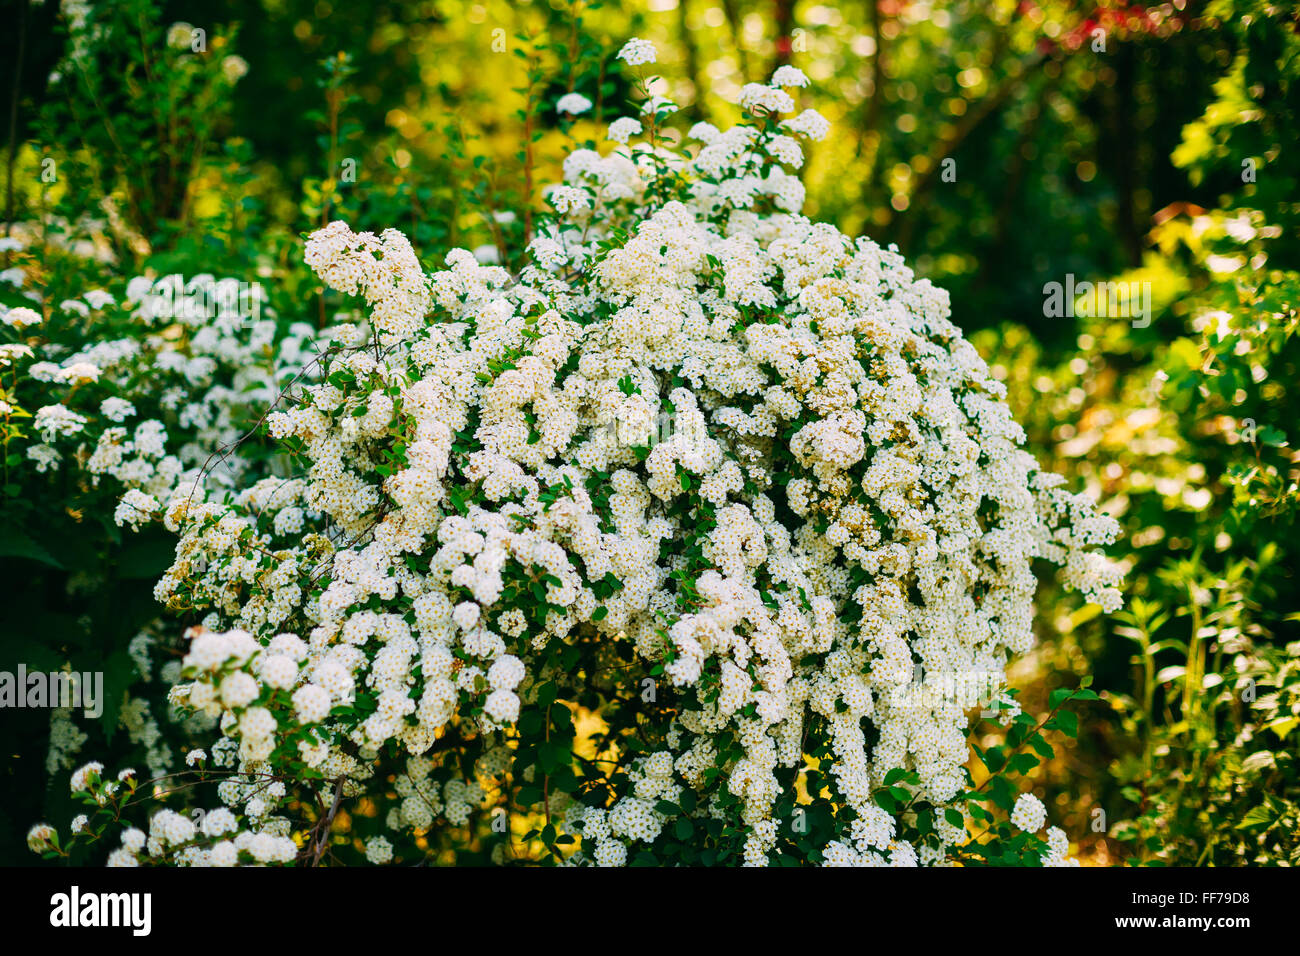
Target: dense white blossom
(637,51)
(1029,814)
(573,104)
(701,435)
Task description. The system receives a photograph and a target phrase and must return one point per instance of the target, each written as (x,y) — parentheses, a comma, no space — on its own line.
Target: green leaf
(15,543)
(1257,817)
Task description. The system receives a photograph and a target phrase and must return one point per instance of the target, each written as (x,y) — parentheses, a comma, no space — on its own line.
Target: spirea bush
(158,400)
(109,407)
(675,547)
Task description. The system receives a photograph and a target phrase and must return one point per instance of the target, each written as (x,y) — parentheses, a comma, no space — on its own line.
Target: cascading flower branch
(642,553)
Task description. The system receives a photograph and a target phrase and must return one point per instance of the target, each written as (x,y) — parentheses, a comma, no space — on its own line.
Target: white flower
(45,371)
(180,35)
(21,317)
(219,821)
(755,97)
(234,68)
(224,853)
(1058,846)
(83,777)
(547,253)
(135,508)
(789,76)
(42,837)
(623,128)
(44,457)
(466,615)
(506,672)
(706,133)
(139,288)
(116,409)
(567,199)
(573,104)
(12,351)
(637,51)
(279,672)
(502,706)
(79,373)
(610,852)
(238,689)
(487,253)
(786,150)
(379,850)
(311,703)
(810,123)
(1029,814)
(53,420)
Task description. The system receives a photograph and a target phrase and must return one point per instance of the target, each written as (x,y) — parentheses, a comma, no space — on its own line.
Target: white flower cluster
(699,436)
(148,410)
(1028,814)
(637,51)
(203,377)
(573,104)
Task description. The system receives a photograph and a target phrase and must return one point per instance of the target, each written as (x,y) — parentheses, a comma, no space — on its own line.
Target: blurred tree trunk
(692,51)
(900,228)
(1019,163)
(732,11)
(871,117)
(783,17)
(13,118)
(1124,147)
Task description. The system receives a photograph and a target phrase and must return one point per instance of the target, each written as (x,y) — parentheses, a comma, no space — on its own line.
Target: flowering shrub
(103,410)
(156,406)
(676,547)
